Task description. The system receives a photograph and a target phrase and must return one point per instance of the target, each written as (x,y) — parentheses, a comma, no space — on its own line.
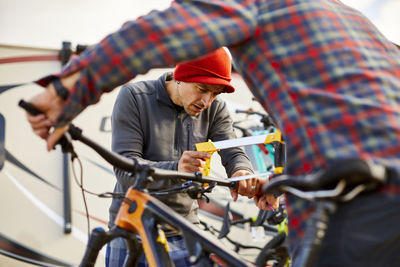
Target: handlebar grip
(96,241)
(65,144)
(29,107)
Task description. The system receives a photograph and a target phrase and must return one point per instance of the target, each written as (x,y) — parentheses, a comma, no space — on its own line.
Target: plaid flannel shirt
(327,76)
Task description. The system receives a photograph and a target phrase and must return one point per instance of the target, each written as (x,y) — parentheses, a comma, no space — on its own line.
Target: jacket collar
(161,90)
(162,95)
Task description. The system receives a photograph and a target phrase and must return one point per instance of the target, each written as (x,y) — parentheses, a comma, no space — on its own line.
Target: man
(158,123)
(325,74)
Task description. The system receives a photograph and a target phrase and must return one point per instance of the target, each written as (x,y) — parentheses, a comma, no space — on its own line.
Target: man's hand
(248,188)
(267,201)
(51,105)
(192,161)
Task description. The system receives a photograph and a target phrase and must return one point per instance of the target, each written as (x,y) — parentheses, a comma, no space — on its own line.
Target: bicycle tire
(272,251)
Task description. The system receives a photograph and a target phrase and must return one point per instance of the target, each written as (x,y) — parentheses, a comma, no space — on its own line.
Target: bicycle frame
(142,214)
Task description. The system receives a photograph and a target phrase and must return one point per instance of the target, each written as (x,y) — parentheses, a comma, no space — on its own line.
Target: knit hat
(214,68)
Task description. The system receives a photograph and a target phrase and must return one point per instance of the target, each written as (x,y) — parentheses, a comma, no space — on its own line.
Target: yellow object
(162,239)
(274,137)
(209,148)
(278,170)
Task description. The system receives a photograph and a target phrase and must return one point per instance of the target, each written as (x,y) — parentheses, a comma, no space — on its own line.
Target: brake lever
(209,188)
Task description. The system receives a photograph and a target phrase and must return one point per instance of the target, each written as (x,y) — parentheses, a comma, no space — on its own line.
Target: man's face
(196,97)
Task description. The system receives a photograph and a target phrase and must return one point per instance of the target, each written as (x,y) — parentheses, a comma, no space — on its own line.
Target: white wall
(46,23)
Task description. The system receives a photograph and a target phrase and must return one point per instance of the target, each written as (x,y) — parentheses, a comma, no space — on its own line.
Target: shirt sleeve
(186,30)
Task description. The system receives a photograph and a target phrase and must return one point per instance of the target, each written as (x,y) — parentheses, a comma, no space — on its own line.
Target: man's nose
(207,99)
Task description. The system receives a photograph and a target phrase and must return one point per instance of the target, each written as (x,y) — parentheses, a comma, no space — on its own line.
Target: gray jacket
(147,126)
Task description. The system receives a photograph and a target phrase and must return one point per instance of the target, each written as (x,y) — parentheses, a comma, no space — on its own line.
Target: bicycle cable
(74,157)
(80,185)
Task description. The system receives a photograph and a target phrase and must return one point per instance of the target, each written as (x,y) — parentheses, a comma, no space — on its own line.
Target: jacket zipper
(178,125)
(188,137)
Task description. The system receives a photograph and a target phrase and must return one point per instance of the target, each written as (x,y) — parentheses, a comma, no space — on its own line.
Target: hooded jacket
(148,126)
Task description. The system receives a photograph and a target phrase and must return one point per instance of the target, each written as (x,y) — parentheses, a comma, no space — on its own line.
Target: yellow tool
(273,138)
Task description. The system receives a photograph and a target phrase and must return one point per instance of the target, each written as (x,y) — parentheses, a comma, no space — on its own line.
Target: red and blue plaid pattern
(326,75)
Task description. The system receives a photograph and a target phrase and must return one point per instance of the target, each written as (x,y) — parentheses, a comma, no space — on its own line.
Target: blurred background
(34,220)
(45,23)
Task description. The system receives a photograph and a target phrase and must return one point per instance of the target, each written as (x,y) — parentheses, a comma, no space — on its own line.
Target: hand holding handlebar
(50,104)
(248,187)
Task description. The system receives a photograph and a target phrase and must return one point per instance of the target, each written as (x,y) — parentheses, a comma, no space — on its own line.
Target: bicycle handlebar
(348,178)
(123,163)
(354,171)
(98,237)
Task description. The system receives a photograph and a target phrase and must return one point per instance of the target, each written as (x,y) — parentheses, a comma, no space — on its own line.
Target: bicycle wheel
(273,253)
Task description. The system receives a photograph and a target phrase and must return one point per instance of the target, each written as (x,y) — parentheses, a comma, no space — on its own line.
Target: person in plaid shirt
(322,70)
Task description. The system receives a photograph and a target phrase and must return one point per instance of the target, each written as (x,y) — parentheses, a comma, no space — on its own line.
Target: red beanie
(214,68)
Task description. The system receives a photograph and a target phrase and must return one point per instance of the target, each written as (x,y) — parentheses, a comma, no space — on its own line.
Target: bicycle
(340,182)
(143,215)
(237,245)
(276,250)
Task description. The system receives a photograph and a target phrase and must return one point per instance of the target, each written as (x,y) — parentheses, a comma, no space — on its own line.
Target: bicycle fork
(133,219)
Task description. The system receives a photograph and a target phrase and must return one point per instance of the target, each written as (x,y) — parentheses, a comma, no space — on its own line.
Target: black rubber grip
(29,107)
